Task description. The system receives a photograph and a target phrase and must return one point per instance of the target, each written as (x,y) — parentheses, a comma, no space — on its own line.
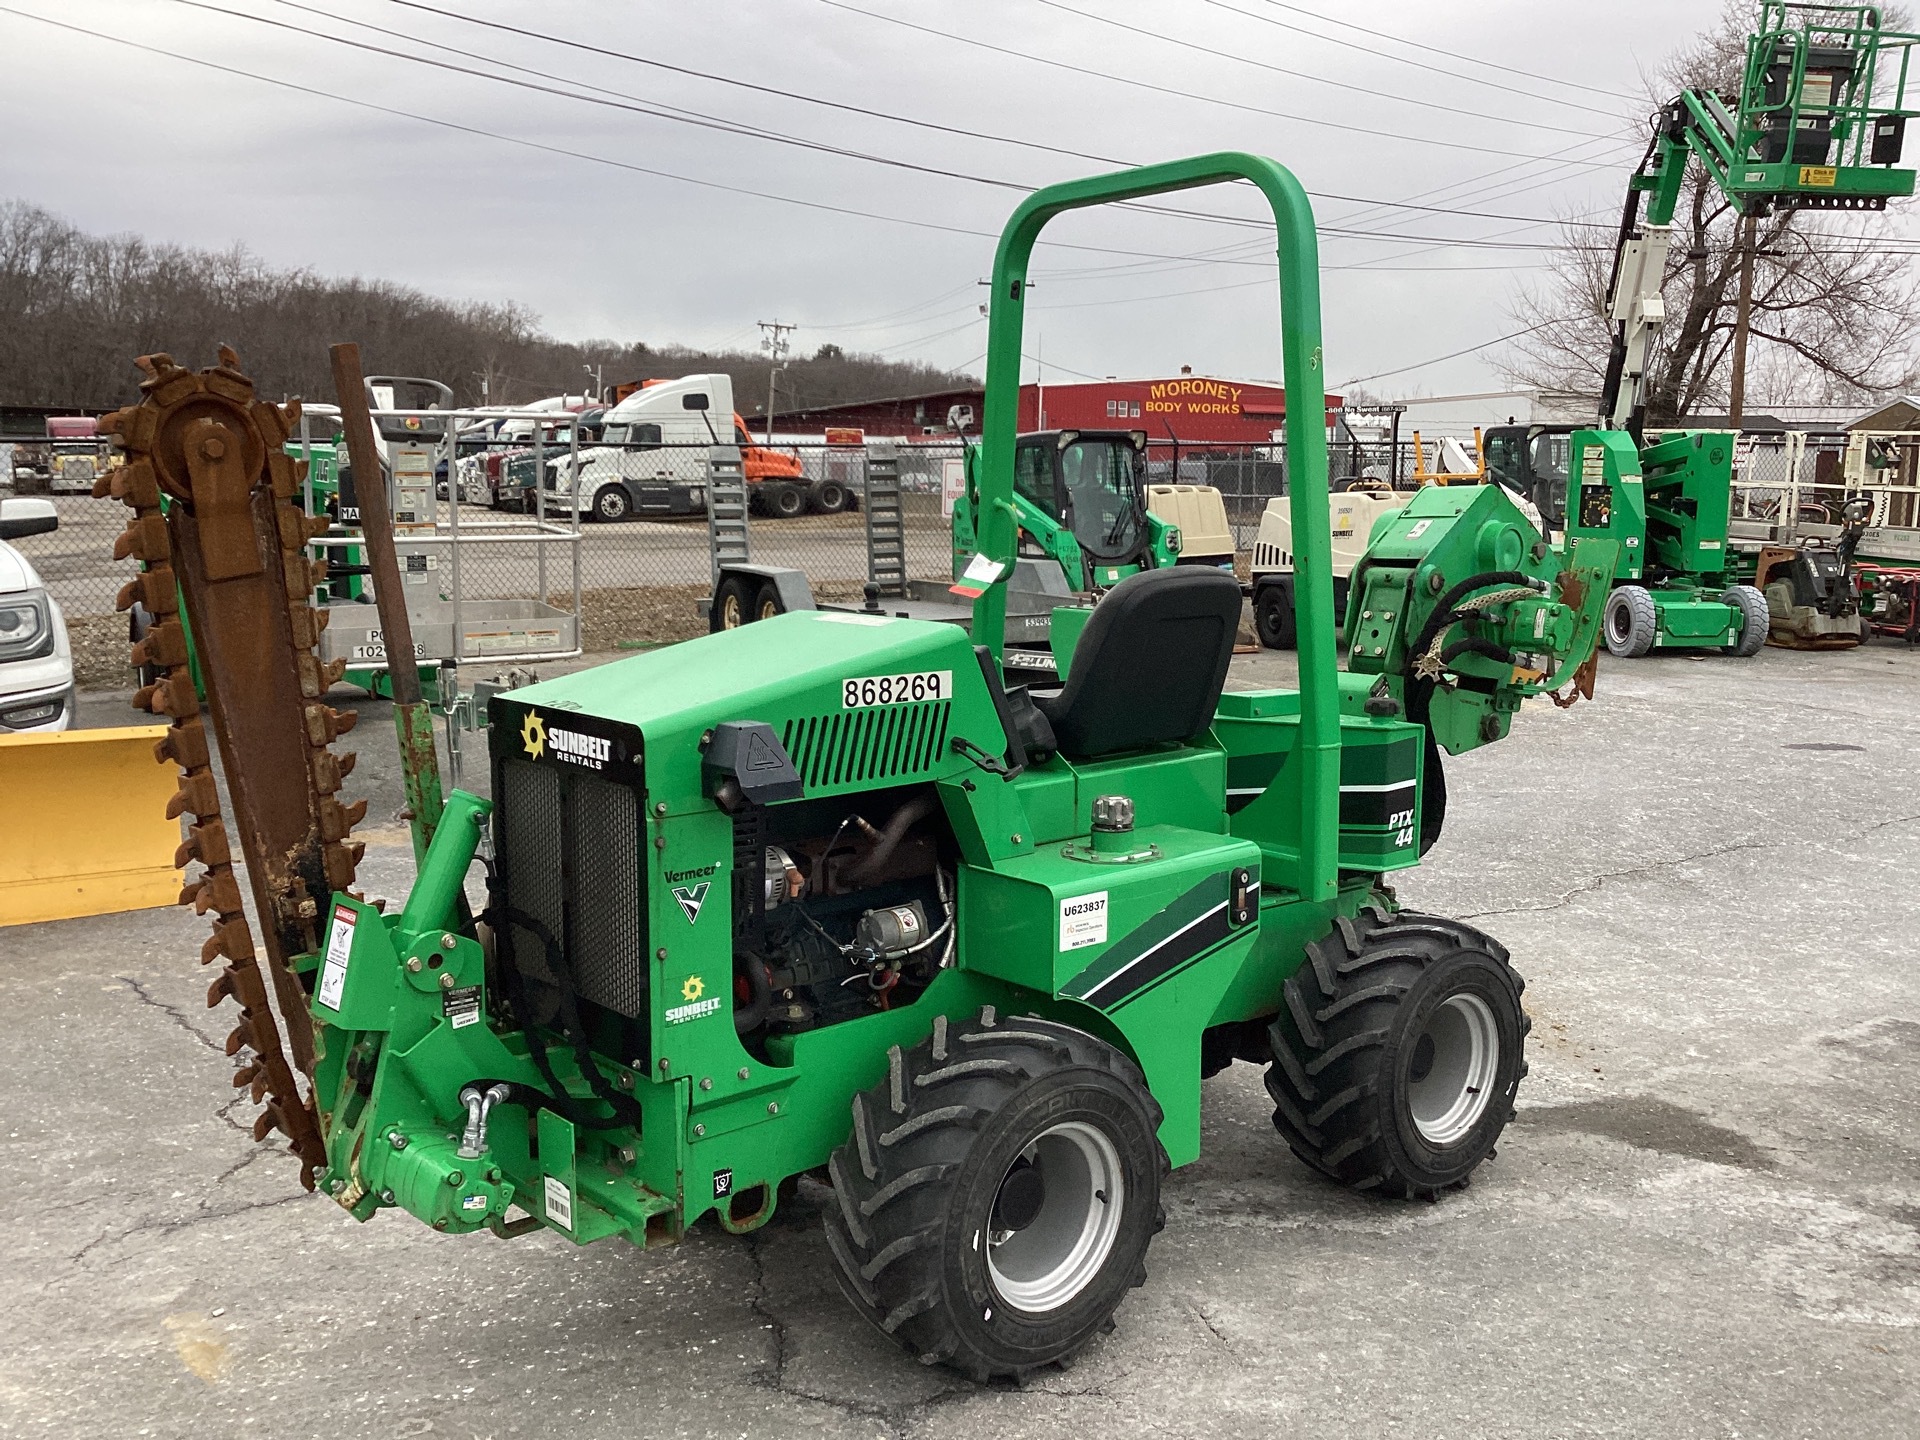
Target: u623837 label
(910,689)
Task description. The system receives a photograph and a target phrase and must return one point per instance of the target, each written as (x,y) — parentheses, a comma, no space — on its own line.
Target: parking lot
(1705,1220)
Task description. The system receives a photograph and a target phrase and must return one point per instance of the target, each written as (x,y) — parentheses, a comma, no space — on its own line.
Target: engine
(839,908)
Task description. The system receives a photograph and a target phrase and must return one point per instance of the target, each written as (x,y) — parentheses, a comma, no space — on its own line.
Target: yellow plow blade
(83,827)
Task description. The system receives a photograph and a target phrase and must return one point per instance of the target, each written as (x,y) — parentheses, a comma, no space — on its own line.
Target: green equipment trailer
(823,896)
(1819,124)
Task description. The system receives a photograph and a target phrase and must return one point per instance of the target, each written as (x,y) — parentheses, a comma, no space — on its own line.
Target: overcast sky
(120,139)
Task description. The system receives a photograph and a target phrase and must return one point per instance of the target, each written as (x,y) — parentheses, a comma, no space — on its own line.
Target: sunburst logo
(693,989)
(533,735)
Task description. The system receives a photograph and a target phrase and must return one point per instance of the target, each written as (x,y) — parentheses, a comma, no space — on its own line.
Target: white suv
(36,664)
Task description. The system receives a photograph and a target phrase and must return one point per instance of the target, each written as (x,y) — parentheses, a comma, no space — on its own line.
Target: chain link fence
(641,538)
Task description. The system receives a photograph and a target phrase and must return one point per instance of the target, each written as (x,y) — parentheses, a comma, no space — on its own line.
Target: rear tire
(1397,1052)
(766,602)
(830,497)
(1754,619)
(1274,620)
(1632,621)
(998,1194)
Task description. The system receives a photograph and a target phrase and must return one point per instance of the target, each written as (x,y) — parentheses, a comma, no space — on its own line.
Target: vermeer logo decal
(692,897)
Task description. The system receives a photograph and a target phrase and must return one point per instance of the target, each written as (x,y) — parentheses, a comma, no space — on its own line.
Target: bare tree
(1833,306)
(76,308)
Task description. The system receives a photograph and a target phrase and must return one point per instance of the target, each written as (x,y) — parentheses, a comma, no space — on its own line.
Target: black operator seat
(1150,664)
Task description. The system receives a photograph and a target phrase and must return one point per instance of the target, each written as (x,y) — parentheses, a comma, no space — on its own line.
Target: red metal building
(1187,408)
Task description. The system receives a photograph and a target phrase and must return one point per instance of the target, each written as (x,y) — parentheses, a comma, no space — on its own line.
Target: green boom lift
(822,896)
(1820,121)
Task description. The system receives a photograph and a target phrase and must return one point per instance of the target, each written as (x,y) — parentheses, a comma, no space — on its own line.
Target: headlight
(1173,540)
(26,628)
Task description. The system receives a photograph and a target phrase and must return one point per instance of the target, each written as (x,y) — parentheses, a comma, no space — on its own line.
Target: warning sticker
(333,973)
(461,1006)
(559,1204)
(1083,921)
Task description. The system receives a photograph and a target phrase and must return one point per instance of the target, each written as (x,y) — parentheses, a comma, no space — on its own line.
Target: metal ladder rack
(726,510)
(886,525)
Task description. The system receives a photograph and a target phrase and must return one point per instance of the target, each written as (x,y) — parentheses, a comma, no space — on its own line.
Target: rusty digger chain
(217,528)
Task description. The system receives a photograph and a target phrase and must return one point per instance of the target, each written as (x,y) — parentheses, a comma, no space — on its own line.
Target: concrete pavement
(1705,1221)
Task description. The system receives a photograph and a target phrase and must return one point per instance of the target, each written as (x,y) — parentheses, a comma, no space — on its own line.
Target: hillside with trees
(76,308)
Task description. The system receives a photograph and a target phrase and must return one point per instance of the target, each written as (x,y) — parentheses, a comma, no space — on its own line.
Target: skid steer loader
(823,896)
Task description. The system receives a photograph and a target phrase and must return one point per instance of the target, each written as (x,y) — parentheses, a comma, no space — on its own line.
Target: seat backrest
(1150,664)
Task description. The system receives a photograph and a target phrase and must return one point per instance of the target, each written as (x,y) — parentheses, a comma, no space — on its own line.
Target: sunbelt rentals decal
(538,739)
(698,1002)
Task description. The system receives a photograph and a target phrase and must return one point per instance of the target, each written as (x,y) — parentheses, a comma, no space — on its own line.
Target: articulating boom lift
(1819,124)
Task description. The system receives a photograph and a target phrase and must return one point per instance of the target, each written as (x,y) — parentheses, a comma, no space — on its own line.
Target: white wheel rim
(1619,622)
(1048,1262)
(1452,1069)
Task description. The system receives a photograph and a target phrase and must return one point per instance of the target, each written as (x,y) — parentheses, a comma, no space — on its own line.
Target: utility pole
(1737,387)
(773,340)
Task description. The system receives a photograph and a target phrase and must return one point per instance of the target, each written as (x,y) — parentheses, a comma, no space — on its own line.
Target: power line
(606,52)
(1454,355)
(1136,84)
(1161,38)
(704,120)
(1378,34)
(666,112)
(561,150)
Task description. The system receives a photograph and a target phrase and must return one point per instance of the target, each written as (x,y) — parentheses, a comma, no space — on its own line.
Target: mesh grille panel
(607,947)
(570,853)
(855,747)
(530,848)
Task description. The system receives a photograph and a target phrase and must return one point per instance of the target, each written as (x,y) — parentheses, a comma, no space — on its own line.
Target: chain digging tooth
(346,762)
(337,820)
(196,793)
(265,1123)
(244,1076)
(259,1087)
(185,744)
(340,862)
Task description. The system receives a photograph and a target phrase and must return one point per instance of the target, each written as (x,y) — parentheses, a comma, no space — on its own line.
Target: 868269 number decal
(874,690)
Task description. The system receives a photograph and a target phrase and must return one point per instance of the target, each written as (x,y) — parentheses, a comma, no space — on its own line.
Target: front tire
(1397,1052)
(611,502)
(998,1194)
(1631,622)
(1274,620)
(1755,622)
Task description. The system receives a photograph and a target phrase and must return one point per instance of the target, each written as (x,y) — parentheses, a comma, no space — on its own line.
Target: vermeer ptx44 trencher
(824,896)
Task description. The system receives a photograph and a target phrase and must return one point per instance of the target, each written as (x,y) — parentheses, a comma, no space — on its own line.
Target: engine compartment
(841,907)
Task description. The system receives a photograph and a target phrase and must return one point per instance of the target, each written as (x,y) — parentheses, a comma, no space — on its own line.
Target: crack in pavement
(1599,880)
(168,1227)
(147,997)
(900,1420)
(1212,1329)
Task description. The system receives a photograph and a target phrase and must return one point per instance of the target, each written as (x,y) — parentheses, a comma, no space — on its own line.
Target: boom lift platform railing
(439,547)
